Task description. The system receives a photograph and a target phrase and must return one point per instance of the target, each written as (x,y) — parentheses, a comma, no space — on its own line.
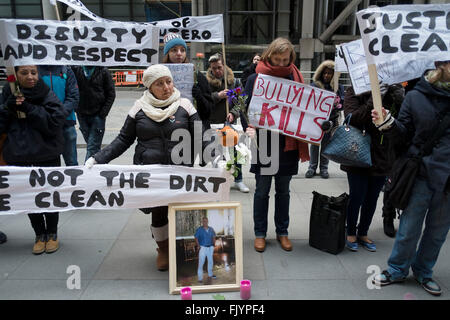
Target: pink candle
(186,293)
(246,289)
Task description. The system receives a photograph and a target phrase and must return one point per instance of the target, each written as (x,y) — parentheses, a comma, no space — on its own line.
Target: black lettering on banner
(142,180)
(200,184)
(176,182)
(414,24)
(42,35)
(188,183)
(119,32)
(3,179)
(131,53)
(57,201)
(123,180)
(372,47)
(9,51)
(77,35)
(99,34)
(434,40)
(206,35)
(39,200)
(371,18)
(186,21)
(119,199)
(138,35)
(96,196)
(173,30)
(392,26)
(120,55)
(433,15)
(386,46)
(109,175)
(78,53)
(55,178)
(76,199)
(176,24)
(37,177)
(39,52)
(106,53)
(61,52)
(185,34)
(4,202)
(23,31)
(22,52)
(92,53)
(60,33)
(73,174)
(407,42)
(194,35)
(448,20)
(149,54)
(216,181)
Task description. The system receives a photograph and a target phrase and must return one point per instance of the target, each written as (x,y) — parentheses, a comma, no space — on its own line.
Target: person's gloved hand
(90,163)
(11,102)
(327,125)
(196,91)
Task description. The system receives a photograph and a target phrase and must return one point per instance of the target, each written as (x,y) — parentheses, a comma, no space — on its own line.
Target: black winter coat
(38,137)
(202,95)
(97,93)
(418,119)
(382,149)
(154,145)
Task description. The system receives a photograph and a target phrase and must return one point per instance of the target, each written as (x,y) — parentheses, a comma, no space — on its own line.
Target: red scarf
(283,72)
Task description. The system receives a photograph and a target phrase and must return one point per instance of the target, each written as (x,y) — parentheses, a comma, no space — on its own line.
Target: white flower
(244,155)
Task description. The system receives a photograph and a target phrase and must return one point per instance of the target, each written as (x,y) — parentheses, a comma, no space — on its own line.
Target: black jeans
(44,223)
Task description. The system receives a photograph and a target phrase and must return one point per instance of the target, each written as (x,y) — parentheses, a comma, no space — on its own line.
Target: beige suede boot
(162,261)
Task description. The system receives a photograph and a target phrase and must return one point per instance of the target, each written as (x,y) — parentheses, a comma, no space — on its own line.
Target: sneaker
(310,173)
(241,187)
(214,277)
(385,278)
(324,174)
(52,244)
(367,245)
(3,237)
(352,246)
(430,286)
(39,244)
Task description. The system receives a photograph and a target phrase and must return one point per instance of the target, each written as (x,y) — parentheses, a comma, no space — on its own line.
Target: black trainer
(385,278)
(388,227)
(3,237)
(430,286)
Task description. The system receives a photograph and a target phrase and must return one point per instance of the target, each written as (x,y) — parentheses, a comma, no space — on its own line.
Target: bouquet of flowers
(243,156)
(238,99)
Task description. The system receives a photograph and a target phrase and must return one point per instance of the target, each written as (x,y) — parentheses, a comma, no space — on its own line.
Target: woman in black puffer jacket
(34,123)
(152,120)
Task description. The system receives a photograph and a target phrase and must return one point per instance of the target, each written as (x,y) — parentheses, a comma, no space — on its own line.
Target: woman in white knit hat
(152,120)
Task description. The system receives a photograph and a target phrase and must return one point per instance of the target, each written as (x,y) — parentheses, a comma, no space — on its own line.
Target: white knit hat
(154,72)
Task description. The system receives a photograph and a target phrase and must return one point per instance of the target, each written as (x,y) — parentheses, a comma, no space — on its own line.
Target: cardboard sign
(405,33)
(28,42)
(339,60)
(183,78)
(35,189)
(290,108)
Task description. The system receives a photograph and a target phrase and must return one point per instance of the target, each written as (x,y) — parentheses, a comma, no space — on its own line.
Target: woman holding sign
(278,61)
(34,122)
(152,120)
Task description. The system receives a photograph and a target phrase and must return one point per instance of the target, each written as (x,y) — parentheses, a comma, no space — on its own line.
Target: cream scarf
(152,107)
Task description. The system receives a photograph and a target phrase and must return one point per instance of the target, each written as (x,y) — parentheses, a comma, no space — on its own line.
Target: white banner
(290,108)
(389,72)
(26,42)
(339,60)
(405,32)
(36,189)
(183,78)
(191,28)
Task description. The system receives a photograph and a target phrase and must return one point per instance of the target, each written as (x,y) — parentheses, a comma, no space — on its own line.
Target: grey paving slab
(137,227)
(13,254)
(37,290)
(87,254)
(254,268)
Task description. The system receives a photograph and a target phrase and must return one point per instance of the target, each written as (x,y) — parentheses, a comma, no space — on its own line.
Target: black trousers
(43,223)
(160,215)
(388,210)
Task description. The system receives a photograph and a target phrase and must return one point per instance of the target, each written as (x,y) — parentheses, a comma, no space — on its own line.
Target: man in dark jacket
(62,82)
(97,94)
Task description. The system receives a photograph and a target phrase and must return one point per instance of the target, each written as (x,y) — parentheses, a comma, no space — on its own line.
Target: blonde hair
(435,75)
(279,46)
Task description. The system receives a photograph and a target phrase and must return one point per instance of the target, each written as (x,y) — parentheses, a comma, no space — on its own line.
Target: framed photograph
(205,247)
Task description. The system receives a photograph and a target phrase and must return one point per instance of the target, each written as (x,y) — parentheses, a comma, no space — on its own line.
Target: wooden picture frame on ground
(209,234)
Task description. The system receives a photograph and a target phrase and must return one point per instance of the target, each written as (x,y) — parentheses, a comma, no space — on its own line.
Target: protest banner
(403,33)
(183,78)
(28,42)
(389,72)
(339,60)
(191,28)
(290,108)
(55,189)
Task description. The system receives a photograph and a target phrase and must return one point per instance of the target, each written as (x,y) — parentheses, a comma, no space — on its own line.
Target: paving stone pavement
(116,254)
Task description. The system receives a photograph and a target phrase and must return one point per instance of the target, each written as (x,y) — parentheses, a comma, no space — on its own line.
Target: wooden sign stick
(376,94)
(225,75)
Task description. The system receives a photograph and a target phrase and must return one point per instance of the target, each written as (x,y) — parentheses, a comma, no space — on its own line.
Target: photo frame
(215,241)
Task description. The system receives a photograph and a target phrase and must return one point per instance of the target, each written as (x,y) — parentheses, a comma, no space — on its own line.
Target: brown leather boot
(260,244)
(162,261)
(285,243)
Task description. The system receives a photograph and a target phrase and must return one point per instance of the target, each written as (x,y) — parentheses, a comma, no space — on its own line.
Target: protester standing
(365,184)
(251,69)
(152,120)
(33,122)
(277,61)
(216,79)
(324,79)
(421,113)
(62,82)
(97,94)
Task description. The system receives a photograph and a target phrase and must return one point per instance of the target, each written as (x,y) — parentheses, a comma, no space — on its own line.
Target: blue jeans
(93,130)
(364,192)
(205,253)
(433,208)
(314,154)
(70,146)
(261,204)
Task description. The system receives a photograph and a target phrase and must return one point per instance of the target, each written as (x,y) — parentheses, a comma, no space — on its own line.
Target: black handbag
(403,174)
(327,222)
(349,146)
